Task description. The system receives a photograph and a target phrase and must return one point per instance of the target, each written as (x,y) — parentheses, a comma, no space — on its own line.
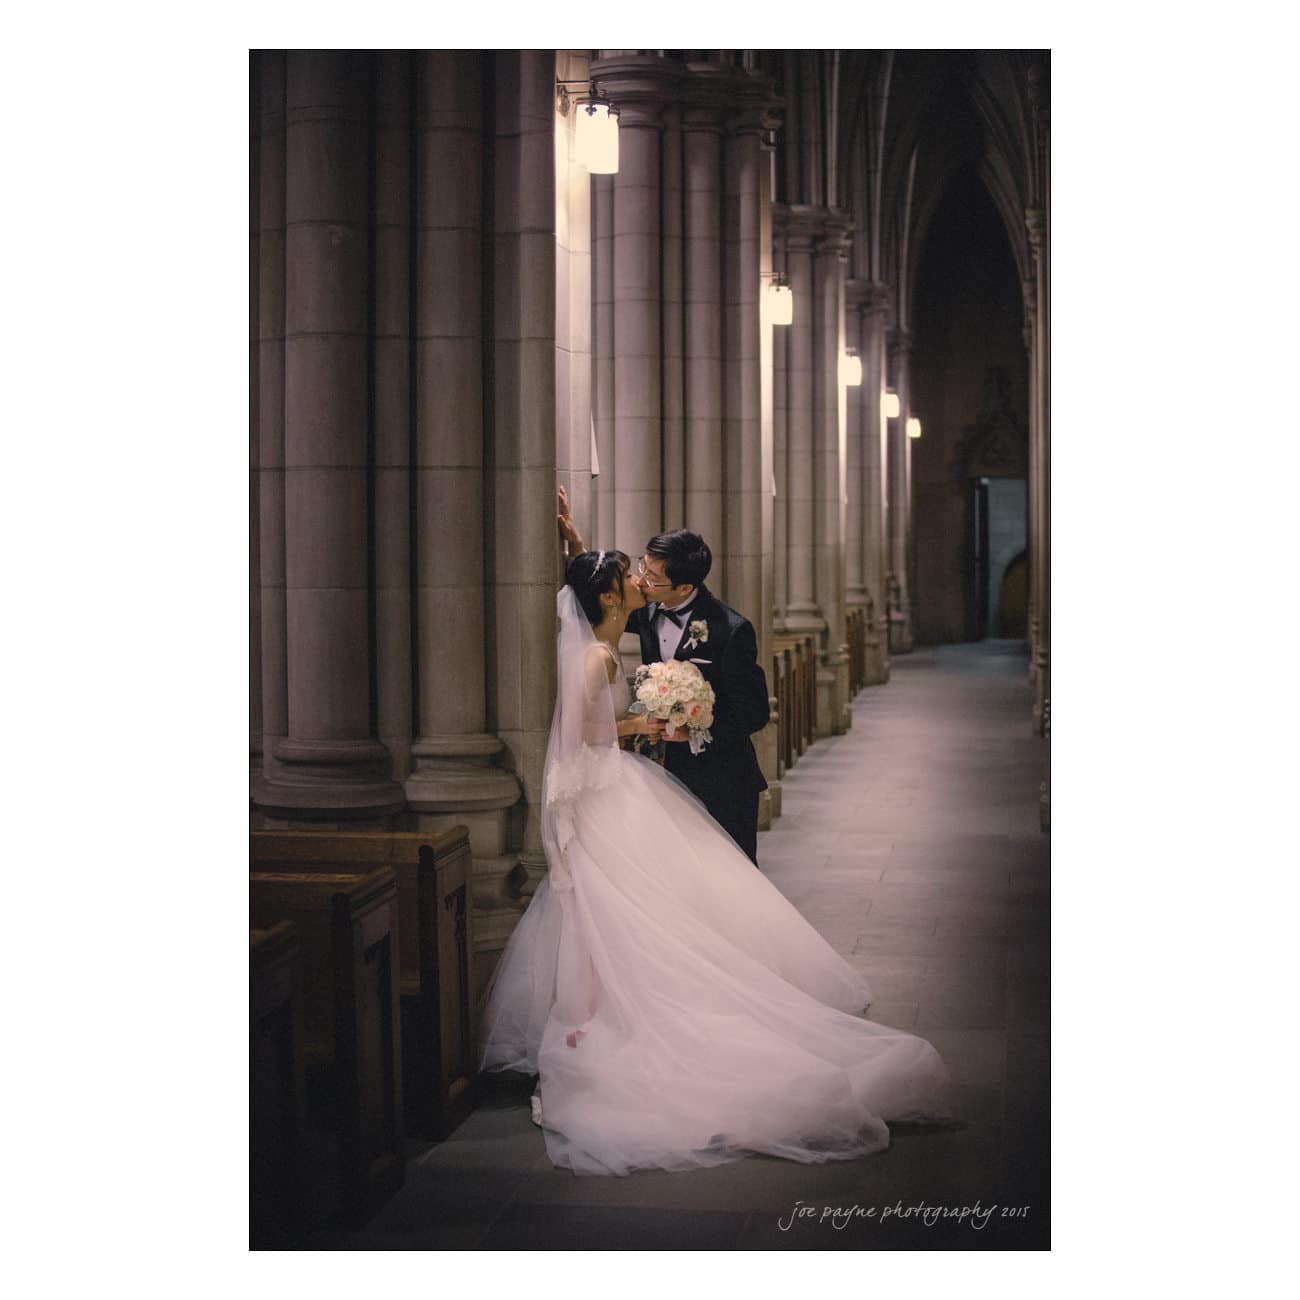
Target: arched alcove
(969,386)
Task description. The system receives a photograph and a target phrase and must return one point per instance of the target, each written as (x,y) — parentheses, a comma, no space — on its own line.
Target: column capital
(1035,226)
(900,342)
(835,235)
(798,223)
(640,86)
(871,297)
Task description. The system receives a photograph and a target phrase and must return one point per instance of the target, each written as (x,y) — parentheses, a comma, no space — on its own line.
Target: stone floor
(912,843)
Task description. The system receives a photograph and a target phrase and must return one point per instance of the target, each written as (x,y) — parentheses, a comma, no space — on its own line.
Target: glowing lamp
(889,406)
(596,145)
(851,370)
(913,427)
(780,304)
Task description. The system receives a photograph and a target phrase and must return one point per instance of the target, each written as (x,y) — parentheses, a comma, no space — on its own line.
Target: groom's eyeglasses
(644,573)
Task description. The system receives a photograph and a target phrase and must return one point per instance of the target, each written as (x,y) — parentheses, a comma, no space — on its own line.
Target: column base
(326,780)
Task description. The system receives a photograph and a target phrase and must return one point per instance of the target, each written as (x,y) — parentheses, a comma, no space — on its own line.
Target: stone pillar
(748,452)
(855,399)
(520,436)
(675,288)
(272,679)
(573,312)
(1028,335)
(702,264)
(833,713)
(900,498)
(801,612)
(453,778)
(331,765)
(641,86)
(1040,562)
(392,404)
(602,359)
(779,336)
(875,308)
(767,745)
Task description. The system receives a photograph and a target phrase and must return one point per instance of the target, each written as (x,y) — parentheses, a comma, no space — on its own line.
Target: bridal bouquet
(677,693)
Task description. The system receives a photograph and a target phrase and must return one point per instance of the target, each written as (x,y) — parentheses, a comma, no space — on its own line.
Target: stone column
(392,404)
(332,766)
(767,745)
(875,309)
(453,778)
(272,679)
(779,336)
(520,434)
(801,613)
(900,499)
(702,264)
(675,287)
(640,86)
(1039,572)
(573,311)
(749,456)
(602,359)
(855,402)
(1028,335)
(833,714)
(254,451)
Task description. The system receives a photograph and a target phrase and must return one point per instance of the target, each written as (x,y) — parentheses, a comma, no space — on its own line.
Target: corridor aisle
(912,843)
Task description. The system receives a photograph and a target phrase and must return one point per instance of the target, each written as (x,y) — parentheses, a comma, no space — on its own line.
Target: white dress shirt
(670,634)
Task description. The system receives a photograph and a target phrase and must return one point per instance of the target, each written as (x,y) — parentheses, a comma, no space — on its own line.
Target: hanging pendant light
(596,145)
(780,303)
(851,369)
(889,407)
(913,427)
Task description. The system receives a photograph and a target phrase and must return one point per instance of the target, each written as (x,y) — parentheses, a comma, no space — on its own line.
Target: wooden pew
(435,919)
(278,1190)
(347,929)
(803,649)
(780,669)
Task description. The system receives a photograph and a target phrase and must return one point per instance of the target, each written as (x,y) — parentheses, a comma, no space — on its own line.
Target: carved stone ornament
(996,445)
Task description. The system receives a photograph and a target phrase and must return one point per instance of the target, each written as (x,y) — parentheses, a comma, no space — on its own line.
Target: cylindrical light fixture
(851,369)
(889,407)
(913,427)
(780,301)
(596,144)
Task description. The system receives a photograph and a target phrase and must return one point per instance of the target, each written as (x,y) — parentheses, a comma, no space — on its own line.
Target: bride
(678,1010)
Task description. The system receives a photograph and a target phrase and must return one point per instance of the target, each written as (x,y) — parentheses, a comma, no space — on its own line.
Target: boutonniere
(699,631)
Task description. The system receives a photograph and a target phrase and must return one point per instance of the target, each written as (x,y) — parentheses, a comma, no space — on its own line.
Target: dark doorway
(1013,604)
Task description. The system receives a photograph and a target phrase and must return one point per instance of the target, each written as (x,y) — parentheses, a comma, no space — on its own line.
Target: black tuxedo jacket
(727,768)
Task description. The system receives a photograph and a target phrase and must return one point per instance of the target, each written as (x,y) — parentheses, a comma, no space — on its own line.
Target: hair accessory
(600,559)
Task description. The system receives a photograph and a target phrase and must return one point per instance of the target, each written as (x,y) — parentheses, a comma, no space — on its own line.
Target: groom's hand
(657,730)
(568,529)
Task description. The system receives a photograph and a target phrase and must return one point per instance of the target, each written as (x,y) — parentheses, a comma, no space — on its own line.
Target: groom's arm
(742,706)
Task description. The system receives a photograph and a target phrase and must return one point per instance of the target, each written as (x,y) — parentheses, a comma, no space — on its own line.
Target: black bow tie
(676,616)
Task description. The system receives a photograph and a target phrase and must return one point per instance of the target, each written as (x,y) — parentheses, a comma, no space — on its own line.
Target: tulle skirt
(678,1010)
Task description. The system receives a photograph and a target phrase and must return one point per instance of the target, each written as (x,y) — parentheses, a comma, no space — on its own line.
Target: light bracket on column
(595,127)
(889,406)
(913,427)
(779,299)
(851,369)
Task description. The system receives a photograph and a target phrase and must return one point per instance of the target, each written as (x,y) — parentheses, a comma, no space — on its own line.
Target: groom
(684,620)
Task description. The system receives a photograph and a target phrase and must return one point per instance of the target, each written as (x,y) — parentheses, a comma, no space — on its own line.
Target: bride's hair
(591,574)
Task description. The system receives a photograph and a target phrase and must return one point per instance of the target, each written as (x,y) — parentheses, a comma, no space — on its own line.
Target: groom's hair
(686,556)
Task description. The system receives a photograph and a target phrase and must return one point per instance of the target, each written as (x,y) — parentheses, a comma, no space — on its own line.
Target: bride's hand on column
(568,528)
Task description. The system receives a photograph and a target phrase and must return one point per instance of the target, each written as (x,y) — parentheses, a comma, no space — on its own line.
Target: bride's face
(633,596)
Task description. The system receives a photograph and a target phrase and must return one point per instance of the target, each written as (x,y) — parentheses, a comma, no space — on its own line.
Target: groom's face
(657,587)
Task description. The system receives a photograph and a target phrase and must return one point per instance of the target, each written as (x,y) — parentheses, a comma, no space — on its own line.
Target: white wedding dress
(679,1011)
